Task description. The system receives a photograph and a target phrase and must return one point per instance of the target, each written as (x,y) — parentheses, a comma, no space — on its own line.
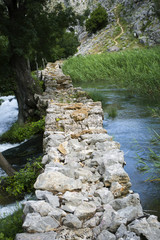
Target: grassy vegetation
(19,133)
(137,70)
(151,163)
(11,225)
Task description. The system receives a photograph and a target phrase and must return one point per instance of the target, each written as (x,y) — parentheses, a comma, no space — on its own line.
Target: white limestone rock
(106,235)
(41,207)
(85,211)
(105,195)
(35,223)
(56,182)
(150,228)
(48,197)
(71,221)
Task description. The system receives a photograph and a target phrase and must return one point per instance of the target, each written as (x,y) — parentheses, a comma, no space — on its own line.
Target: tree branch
(4,164)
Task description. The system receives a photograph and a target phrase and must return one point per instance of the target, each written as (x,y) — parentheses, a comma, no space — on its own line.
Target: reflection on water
(133,123)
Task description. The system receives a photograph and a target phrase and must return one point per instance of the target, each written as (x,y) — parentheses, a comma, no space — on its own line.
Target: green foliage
(6,75)
(98,20)
(151,163)
(96,96)
(112,111)
(65,46)
(39,82)
(82,18)
(34,32)
(53,41)
(19,133)
(157,7)
(11,225)
(155,112)
(137,70)
(22,182)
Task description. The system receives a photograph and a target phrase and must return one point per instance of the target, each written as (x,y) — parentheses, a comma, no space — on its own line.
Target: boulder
(56,182)
(105,195)
(35,223)
(85,211)
(149,228)
(48,197)
(71,221)
(106,235)
(41,207)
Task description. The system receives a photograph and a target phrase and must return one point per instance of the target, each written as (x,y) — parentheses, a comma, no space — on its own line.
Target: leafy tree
(157,7)
(98,20)
(32,32)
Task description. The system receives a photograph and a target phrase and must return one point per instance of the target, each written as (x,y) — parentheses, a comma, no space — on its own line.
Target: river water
(133,128)
(8,115)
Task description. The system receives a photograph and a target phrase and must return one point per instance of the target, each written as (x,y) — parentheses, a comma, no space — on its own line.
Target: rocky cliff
(137,18)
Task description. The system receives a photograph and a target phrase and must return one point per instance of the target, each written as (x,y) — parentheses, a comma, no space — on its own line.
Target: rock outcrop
(84,192)
(139,19)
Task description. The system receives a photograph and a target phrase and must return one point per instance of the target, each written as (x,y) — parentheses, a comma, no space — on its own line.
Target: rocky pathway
(83,192)
(119,35)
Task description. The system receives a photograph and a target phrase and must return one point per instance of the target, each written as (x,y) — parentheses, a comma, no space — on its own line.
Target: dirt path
(122,31)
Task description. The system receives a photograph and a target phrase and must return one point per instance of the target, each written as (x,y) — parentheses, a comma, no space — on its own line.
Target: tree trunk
(6,166)
(25,88)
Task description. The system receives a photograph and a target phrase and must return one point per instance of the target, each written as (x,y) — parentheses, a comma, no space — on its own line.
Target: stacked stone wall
(84,191)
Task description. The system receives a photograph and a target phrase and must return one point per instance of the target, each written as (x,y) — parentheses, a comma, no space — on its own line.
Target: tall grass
(137,69)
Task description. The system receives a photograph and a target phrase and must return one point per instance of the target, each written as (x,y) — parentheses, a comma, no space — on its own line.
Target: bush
(22,182)
(19,133)
(97,20)
(157,7)
(11,225)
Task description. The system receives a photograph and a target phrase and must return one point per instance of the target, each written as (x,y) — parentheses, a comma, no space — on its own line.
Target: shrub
(157,7)
(19,133)
(98,20)
(11,225)
(22,182)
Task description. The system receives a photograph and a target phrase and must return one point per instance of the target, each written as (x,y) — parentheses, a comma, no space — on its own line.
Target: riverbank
(137,70)
(84,190)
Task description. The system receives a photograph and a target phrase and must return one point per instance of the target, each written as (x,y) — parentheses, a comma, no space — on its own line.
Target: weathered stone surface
(106,235)
(116,189)
(150,228)
(41,207)
(83,174)
(80,114)
(129,200)
(57,213)
(105,195)
(36,236)
(86,210)
(122,233)
(49,197)
(91,223)
(111,219)
(74,198)
(72,221)
(115,173)
(35,223)
(56,182)
(63,148)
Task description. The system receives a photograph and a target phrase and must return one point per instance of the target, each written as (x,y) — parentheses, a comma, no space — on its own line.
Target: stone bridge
(84,191)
